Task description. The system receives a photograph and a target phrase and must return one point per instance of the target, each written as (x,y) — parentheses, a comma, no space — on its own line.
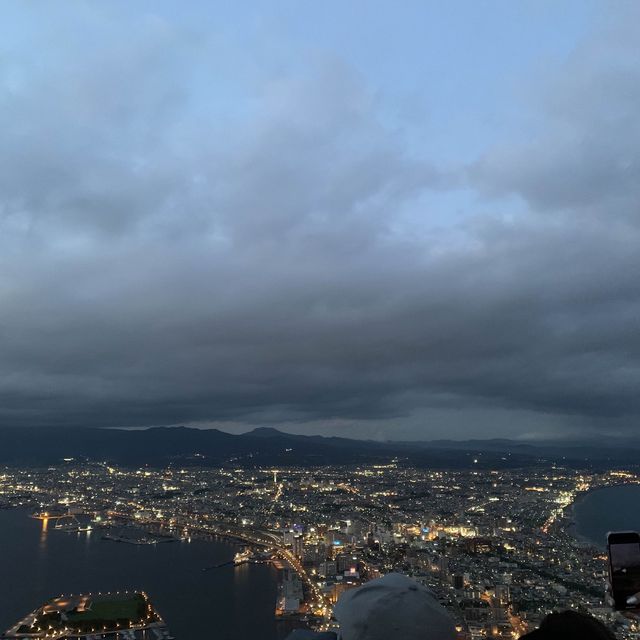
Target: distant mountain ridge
(266,446)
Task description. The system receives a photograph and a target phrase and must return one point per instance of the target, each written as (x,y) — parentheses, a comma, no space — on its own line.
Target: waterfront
(232,602)
(614,508)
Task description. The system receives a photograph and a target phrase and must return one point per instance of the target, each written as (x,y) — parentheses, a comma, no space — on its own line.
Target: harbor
(245,556)
(38,564)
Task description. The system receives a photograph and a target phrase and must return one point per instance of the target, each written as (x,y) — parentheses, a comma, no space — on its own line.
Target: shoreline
(571,528)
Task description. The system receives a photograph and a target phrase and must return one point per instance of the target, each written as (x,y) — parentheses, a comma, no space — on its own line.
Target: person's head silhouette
(570,625)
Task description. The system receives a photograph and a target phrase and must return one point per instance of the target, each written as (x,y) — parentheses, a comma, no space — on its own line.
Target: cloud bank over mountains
(192,231)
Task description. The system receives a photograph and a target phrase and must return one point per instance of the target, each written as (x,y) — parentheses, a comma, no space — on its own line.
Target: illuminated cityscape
(496,547)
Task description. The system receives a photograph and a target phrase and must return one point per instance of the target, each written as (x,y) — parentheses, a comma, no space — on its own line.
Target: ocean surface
(607,509)
(222,604)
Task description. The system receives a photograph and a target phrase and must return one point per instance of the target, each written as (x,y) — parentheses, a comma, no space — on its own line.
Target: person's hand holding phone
(624,570)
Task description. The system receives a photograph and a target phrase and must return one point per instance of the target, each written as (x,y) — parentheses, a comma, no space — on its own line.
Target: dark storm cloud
(162,261)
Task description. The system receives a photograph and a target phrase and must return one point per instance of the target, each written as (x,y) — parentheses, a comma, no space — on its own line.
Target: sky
(387,220)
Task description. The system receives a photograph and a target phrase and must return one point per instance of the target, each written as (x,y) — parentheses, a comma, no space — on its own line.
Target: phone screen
(624,561)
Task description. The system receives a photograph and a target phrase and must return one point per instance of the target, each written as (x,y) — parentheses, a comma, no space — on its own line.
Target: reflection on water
(43,534)
(241,573)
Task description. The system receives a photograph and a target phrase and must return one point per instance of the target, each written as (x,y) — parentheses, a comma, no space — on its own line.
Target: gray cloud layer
(165,259)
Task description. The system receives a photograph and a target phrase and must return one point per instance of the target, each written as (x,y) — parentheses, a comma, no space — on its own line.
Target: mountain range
(182,446)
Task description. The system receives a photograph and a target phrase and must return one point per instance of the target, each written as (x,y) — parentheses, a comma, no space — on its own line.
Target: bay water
(222,604)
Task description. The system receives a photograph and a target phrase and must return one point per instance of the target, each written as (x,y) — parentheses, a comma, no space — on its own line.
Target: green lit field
(88,614)
(112,608)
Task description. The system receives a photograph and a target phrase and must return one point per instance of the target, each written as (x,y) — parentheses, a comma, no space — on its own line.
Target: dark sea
(222,604)
(607,509)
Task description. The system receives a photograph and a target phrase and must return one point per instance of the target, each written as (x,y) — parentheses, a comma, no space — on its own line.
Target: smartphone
(624,567)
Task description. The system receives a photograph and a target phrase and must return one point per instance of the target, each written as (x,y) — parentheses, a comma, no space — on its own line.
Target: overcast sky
(374,219)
